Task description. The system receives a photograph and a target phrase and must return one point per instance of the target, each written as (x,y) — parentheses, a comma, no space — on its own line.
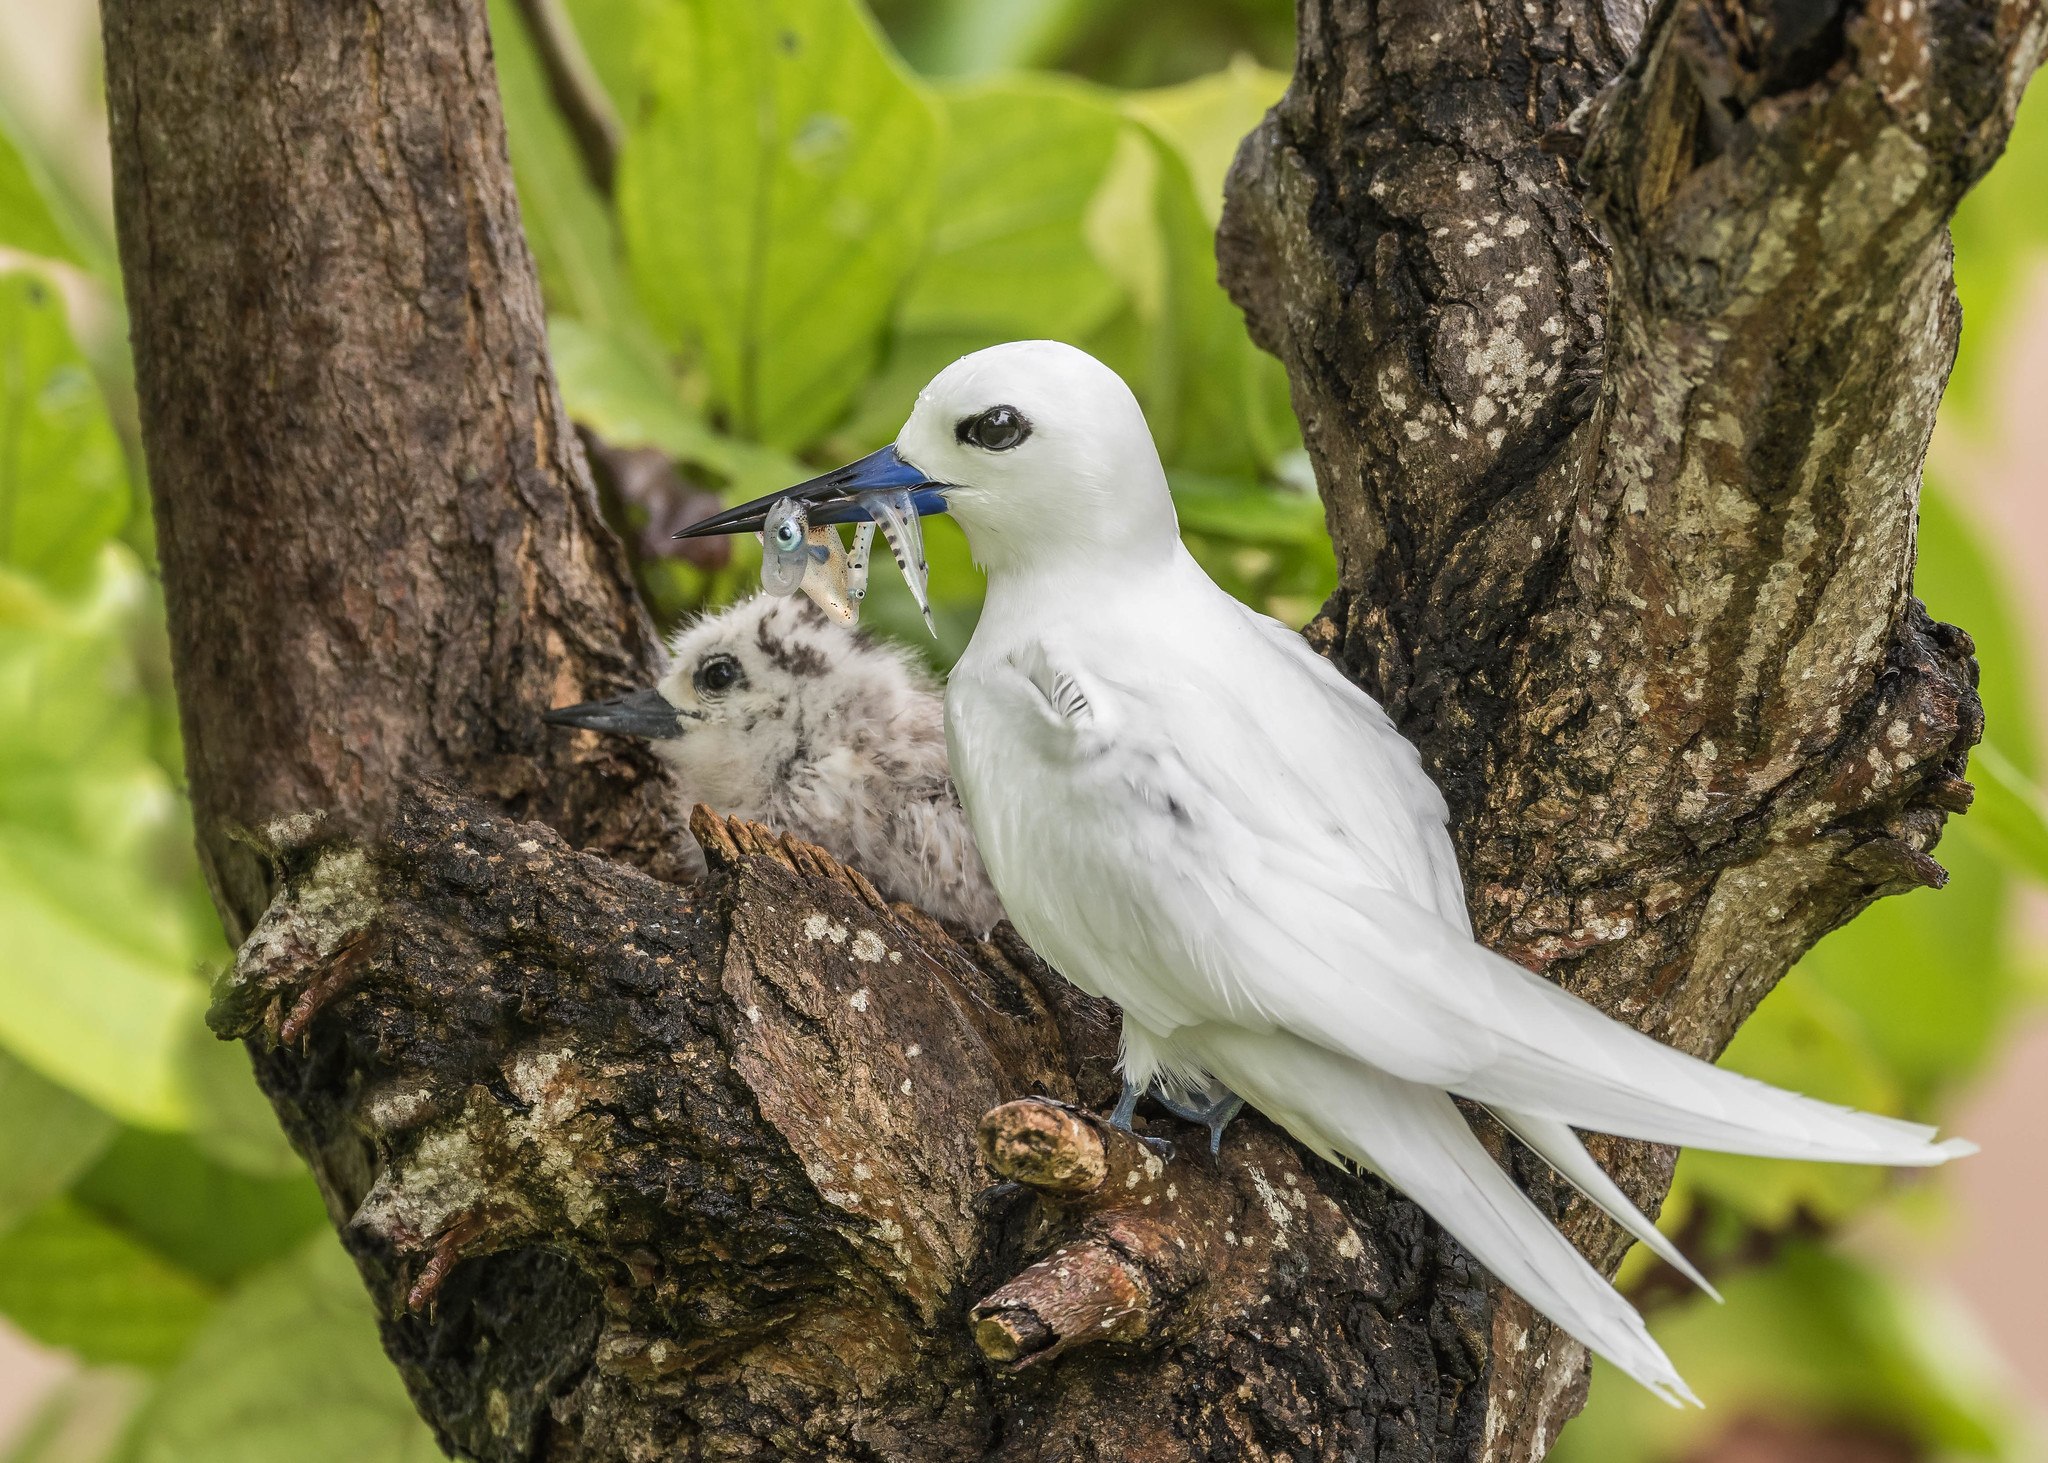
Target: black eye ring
(996,430)
(717,674)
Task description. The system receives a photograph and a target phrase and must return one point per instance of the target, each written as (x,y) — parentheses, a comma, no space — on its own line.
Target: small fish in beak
(879,490)
(897,514)
(797,556)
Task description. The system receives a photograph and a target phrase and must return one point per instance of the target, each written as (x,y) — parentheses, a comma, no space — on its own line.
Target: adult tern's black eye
(996,430)
(718,674)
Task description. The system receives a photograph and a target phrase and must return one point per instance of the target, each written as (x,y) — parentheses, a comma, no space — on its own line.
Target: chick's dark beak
(834,497)
(636,714)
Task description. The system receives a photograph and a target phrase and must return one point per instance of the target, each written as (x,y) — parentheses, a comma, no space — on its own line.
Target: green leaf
(1216,403)
(610,32)
(289,1367)
(47,1138)
(1011,256)
(87,997)
(2011,810)
(612,389)
(63,484)
(568,223)
(1929,974)
(1248,511)
(775,196)
(974,37)
(74,725)
(208,1219)
(1817,1335)
(232,1122)
(1205,120)
(27,221)
(1963,584)
(2000,231)
(1806,1040)
(98,991)
(69,1279)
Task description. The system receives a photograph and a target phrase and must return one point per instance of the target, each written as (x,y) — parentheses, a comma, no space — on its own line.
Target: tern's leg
(1215,1117)
(1120,1118)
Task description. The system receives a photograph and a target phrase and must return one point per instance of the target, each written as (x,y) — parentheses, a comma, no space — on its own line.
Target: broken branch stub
(1127,1249)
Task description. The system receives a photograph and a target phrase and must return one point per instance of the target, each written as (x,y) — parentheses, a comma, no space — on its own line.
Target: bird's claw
(1217,1116)
(1120,1118)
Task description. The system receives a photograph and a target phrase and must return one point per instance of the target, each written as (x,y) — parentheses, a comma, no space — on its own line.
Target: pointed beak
(835,496)
(636,714)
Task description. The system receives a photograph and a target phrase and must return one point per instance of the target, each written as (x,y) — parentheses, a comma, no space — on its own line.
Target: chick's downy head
(775,703)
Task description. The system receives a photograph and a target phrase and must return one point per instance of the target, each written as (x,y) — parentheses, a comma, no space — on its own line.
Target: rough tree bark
(1621,461)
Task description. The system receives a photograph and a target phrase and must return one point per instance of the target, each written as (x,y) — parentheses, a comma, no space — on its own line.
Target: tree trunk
(381,552)
(1621,473)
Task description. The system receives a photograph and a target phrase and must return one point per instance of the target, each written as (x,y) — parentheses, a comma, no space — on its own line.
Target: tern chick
(772,713)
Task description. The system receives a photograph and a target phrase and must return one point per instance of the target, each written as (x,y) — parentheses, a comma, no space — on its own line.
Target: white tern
(774,713)
(1187,810)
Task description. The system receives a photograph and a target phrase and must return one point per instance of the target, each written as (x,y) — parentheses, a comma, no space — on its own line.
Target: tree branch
(1622,469)
(381,553)
(724,1143)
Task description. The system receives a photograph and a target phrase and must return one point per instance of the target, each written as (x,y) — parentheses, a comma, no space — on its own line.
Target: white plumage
(773,713)
(1187,810)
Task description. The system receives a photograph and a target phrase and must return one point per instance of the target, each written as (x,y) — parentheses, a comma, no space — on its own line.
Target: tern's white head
(1038,449)
(1042,452)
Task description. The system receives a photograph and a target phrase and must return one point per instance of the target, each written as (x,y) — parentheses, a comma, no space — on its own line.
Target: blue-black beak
(834,497)
(646,714)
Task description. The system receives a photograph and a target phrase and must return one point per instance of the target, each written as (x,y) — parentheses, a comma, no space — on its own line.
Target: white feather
(1415,1138)
(1559,1146)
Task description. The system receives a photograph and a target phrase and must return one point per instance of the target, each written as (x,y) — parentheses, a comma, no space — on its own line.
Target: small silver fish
(796,556)
(897,515)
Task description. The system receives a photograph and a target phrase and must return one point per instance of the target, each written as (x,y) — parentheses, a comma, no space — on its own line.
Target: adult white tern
(1186,809)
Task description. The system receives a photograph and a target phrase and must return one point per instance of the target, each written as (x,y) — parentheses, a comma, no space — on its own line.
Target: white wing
(1238,838)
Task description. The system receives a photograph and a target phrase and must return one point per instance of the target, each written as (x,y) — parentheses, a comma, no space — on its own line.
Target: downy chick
(772,713)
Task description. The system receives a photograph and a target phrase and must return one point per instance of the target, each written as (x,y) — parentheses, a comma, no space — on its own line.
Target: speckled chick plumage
(831,735)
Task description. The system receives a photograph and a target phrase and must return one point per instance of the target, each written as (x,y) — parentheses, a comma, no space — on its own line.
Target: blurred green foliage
(806,226)
(811,231)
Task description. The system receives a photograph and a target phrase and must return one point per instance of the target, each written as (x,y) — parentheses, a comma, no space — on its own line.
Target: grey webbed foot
(1120,1119)
(1216,1116)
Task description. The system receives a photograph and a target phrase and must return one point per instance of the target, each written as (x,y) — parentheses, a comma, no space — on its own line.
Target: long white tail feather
(1415,1137)
(1576,1065)
(1560,1147)
(1409,992)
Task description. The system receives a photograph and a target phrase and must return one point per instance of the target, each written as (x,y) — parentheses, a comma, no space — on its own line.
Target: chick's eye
(996,430)
(718,674)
